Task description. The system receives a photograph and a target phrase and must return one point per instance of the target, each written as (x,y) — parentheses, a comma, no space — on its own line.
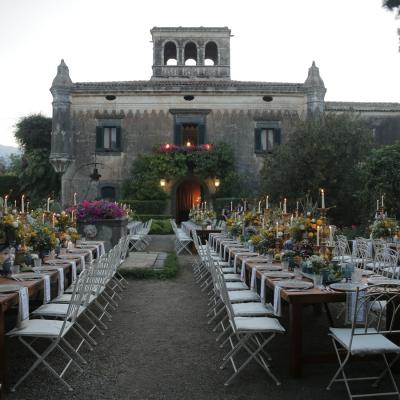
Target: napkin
(262,292)
(60,281)
(47,295)
(253,279)
(361,311)
(23,310)
(277,301)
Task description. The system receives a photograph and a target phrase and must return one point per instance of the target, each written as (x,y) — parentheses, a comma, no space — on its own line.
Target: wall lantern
(162,182)
(217,182)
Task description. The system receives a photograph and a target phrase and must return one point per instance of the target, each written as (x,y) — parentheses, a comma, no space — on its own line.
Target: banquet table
(296,300)
(36,289)
(203,234)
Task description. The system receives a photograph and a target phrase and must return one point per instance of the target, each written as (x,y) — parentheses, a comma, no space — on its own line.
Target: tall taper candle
(317,235)
(23,203)
(5,204)
(284,206)
(48,204)
(75,198)
(266,202)
(382,202)
(322,198)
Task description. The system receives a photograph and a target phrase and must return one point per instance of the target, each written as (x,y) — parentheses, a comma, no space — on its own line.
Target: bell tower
(194,53)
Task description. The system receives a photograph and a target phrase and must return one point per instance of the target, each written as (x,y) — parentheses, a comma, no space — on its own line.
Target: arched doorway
(188,193)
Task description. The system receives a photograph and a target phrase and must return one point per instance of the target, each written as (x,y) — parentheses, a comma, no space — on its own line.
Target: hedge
(146,217)
(161,227)
(147,206)
(170,270)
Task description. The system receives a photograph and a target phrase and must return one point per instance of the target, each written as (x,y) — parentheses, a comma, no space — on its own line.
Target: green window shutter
(257,139)
(177,135)
(201,134)
(118,132)
(277,136)
(99,138)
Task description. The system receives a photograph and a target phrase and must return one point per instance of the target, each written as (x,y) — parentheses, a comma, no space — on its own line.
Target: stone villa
(190,97)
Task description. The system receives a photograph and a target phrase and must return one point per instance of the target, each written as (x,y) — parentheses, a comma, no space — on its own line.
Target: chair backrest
(374,310)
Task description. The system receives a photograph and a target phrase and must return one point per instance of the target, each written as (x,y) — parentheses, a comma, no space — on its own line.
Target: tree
(380,176)
(321,153)
(37,177)
(392,5)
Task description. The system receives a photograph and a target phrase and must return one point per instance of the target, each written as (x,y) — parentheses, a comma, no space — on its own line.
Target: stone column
(61,136)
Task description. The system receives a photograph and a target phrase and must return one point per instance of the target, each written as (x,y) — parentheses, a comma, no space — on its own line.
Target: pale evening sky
(353,42)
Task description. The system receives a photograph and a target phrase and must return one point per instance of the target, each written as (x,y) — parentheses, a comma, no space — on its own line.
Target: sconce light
(217,182)
(162,182)
(188,144)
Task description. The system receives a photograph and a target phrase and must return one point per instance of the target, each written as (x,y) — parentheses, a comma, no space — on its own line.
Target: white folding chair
(55,331)
(372,312)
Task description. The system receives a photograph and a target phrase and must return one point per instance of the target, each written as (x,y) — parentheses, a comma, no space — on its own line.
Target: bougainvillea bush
(98,209)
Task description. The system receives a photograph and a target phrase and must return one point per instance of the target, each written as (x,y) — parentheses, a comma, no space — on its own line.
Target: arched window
(211,54)
(108,193)
(170,57)
(190,54)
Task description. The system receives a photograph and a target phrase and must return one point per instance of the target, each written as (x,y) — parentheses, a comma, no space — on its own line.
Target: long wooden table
(295,300)
(35,289)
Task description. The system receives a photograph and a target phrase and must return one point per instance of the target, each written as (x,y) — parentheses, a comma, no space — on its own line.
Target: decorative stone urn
(108,230)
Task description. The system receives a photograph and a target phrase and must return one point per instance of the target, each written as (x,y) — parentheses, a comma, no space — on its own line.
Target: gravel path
(159,346)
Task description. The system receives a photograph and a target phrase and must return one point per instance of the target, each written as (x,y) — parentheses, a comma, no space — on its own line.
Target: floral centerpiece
(98,209)
(42,239)
(202,217)
(234,226)
(12,229)
(384,227)
(331,271)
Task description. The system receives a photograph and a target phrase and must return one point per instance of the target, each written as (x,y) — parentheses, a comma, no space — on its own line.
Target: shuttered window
(266,139)
(108,138)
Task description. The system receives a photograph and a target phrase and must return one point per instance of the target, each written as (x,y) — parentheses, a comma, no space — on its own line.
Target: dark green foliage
(36,175)
(321,153)
(9,185)
(146,217)
(381,175)
(34,132)
(221,202)
(146,206)
(148,169)
(161,227)
(392,5)
(170,270)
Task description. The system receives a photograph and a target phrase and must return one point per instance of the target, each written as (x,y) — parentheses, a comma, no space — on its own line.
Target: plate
(9,288)
(347,287)
(58,261)
(295,284)
(278,274)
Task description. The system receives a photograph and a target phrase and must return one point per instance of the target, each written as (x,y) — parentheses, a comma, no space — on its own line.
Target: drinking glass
(285,265)
(297,272)
(356,275)
(317,280)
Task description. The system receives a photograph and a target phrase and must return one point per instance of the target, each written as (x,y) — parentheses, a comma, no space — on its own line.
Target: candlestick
(266,202)
(322,198)
(43,218)
(284,206)
(382,202)
(277,230)
(5,204)
(72,215)
(75,198)
(22,203)
(259,206)
(231,206)
(48,204)
(54,220)
(205,205)
(317,235)
(330,235)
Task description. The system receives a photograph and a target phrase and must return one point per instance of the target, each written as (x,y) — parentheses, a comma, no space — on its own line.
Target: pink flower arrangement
(98,209)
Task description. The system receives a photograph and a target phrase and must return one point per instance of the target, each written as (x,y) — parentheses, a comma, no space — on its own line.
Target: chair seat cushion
(232,277)
(258,324)
(40,328)
(228,270)
(248,309)
(370,343)
(236,286)
(55,310)
(243,296)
